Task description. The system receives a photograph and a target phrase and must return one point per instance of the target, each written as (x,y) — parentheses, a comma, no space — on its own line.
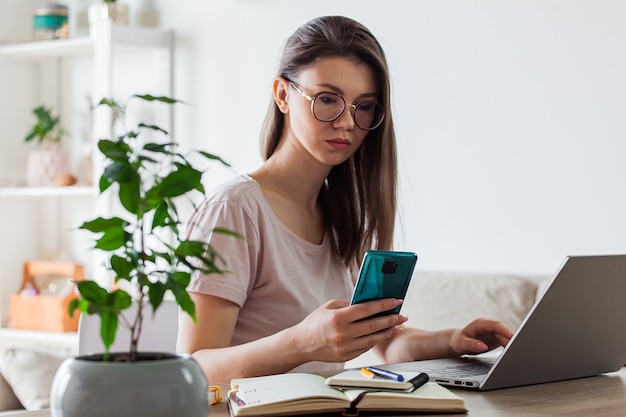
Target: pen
(386,374)
(367,373)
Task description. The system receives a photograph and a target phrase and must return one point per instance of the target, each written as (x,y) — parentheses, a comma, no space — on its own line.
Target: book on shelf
(300,393)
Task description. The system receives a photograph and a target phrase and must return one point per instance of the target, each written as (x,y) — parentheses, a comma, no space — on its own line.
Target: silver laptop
(576,328)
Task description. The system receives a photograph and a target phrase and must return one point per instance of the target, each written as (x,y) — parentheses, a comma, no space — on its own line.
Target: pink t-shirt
(277,277)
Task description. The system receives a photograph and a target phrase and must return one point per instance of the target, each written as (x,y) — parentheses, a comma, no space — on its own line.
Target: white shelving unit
(40,222)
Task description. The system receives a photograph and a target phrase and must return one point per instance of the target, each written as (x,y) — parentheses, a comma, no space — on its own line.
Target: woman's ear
(280,88)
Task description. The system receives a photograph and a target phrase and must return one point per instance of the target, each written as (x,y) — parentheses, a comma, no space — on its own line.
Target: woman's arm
(209,342)
(410,344)
(332,333)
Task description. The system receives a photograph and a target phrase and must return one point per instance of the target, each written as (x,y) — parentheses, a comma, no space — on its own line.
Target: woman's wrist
(426,344)
(292,353)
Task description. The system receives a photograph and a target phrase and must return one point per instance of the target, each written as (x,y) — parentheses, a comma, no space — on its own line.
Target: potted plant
(48,161)
(149,257)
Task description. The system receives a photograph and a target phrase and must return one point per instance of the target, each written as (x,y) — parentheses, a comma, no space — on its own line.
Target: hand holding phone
(384,274)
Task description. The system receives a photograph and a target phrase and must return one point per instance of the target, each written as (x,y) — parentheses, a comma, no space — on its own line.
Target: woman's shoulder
(241,190)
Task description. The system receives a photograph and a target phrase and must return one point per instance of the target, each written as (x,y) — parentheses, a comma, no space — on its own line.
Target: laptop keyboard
(461,371)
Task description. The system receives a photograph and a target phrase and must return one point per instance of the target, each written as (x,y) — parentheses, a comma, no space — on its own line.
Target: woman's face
(330,143)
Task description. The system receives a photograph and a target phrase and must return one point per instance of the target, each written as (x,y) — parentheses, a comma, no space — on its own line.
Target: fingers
(362,344)
(336,304)
(489,327)
(364,310)
(480,336)
(363,322)
(356,320)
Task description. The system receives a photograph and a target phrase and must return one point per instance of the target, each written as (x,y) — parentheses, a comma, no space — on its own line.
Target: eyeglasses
(327,107)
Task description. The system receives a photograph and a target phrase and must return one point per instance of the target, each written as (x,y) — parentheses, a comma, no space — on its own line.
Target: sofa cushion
(30,373)
(438,300)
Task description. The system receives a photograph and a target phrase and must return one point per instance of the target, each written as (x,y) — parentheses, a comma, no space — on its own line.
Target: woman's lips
(339,144)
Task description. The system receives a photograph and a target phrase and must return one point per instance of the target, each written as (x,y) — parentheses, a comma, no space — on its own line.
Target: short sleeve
(238,254)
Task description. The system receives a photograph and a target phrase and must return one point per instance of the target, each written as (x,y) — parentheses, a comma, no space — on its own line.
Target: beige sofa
(435,300)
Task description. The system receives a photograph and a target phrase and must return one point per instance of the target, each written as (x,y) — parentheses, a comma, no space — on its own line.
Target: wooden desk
(603,395)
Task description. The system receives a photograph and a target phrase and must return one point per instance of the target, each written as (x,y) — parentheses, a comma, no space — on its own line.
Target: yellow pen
(367,373)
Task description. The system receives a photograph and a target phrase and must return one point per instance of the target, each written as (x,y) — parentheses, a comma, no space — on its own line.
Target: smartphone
(384,274)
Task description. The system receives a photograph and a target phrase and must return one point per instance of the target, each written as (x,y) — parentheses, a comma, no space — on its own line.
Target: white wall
(510,115)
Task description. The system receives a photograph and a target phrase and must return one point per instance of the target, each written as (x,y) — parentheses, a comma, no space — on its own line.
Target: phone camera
(389,267)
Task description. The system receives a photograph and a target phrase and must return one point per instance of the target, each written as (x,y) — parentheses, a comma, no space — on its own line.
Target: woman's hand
(336,332)
(481,335)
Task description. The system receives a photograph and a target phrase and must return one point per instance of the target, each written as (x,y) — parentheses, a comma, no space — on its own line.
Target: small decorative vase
(49,21)
(157,385)
(44,164)
(112,10)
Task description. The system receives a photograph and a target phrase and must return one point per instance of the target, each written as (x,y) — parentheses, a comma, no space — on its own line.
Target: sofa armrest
(8,399)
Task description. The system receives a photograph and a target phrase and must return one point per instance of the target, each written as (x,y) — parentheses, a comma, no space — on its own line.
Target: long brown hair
(359,195)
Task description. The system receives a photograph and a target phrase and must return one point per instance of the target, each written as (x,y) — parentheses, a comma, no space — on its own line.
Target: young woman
(325,194)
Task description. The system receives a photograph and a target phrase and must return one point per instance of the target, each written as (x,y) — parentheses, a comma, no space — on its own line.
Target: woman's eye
(328,98)
(366,106)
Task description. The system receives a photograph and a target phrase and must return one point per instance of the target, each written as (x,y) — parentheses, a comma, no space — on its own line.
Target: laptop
(575,329)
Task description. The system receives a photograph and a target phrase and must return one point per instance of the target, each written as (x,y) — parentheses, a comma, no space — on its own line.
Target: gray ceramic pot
(172,385)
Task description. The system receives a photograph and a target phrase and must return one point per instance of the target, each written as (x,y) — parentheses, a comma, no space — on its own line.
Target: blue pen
(386,374)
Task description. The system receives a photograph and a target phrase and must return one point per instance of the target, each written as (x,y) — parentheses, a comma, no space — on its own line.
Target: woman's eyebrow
(338,90)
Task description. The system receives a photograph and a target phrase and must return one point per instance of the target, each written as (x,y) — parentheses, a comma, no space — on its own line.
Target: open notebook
(300,394)
(575,329)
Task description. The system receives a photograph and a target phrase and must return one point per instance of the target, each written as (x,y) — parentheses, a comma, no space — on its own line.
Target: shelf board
(64,338)
(80,190)
(47,49)
(121,37)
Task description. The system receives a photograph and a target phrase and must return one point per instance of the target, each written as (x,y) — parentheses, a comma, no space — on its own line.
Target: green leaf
(144,158)
(112,239)
(92,292)
(192,248)
(159,147)
(161,216)
(130,197)
(181,181)
(121,172)
(181,278)
(102,224)
(122,267)
(213,157)
(71,308)
(104,183)
(119,300)
(229,232)
(108,329)
(153,127)
(163,99)
(156,293)
(112,104)
(186,303)
(115,151)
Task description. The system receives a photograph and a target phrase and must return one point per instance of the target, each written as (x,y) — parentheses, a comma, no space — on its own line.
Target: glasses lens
(369,115)
(328,106)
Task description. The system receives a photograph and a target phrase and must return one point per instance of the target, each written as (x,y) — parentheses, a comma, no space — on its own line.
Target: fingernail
(481,347)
